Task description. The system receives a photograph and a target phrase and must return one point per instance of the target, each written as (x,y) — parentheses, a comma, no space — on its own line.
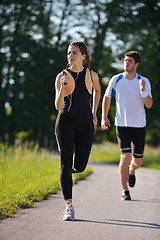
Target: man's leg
(124,140)
(135,163)
(138,140)
(125,159)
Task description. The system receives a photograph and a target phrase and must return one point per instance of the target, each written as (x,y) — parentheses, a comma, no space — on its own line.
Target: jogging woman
(76,119)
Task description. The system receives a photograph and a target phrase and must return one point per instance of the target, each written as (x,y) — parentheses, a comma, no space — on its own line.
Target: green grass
(106,152)
(152,157)
(109,152)
(27,176)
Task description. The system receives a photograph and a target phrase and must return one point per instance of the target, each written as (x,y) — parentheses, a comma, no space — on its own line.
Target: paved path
(100,214)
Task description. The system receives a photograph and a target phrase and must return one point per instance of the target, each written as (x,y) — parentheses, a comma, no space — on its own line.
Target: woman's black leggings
(74,136)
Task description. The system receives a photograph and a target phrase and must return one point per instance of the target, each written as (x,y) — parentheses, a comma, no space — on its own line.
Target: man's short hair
(135,55)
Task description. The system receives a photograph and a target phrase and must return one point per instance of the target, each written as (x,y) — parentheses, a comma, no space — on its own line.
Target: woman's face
(74,56)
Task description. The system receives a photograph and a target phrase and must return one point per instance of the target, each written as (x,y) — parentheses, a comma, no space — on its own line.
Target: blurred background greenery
(34,36)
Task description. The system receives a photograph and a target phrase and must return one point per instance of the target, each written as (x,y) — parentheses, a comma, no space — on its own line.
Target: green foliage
(105,152)
(27,176)
(33,41)
(109,153)
(152,157)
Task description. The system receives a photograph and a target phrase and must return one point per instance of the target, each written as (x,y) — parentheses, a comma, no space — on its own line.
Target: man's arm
(105,123)
(148,101)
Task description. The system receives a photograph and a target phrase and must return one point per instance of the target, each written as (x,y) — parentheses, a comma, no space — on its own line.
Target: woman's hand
(95,119)
(64,79)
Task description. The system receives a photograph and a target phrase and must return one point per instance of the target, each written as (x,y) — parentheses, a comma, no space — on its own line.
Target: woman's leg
(65,139)
(83,142)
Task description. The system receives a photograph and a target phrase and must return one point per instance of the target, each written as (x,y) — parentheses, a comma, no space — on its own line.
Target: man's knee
(137,162)
(125,157)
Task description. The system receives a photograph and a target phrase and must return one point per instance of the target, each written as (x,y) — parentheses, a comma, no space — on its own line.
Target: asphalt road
(100,214)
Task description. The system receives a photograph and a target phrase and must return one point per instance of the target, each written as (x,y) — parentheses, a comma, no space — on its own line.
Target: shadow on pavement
(122,223)
(149,200)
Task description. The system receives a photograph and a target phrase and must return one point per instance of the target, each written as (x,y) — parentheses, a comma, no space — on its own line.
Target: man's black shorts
(131,139)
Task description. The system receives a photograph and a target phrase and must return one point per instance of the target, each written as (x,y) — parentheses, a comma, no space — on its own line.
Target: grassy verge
(27,176)
(109,152)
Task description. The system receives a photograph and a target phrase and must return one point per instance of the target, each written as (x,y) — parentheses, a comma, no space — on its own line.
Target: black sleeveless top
(79,102)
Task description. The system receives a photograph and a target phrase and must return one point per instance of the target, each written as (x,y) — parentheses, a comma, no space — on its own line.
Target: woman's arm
(60,85)
(96,96)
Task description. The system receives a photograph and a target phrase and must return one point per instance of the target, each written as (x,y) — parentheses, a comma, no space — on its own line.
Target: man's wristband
(144,94)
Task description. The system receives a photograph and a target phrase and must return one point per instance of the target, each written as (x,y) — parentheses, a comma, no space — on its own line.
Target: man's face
(129,64)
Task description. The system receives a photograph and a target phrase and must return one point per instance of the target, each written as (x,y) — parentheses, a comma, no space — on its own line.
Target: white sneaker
(125,195)
(69,213)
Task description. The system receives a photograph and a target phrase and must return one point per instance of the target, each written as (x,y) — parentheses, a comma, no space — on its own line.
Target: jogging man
(132,94)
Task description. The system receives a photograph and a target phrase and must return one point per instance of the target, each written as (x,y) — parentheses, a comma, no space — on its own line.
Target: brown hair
(135,55)
(83,49)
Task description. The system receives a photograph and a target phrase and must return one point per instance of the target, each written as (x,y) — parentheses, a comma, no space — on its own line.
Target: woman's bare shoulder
(95,76)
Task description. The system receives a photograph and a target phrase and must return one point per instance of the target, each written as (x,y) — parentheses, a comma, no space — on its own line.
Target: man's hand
(142,85)
(105,124)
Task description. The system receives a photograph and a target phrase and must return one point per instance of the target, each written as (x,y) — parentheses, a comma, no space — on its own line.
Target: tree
(34,36)
(137,24)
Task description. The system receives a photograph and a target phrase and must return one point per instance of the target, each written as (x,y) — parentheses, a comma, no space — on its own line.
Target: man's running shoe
(69,213)
(125,195)
(132,180)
